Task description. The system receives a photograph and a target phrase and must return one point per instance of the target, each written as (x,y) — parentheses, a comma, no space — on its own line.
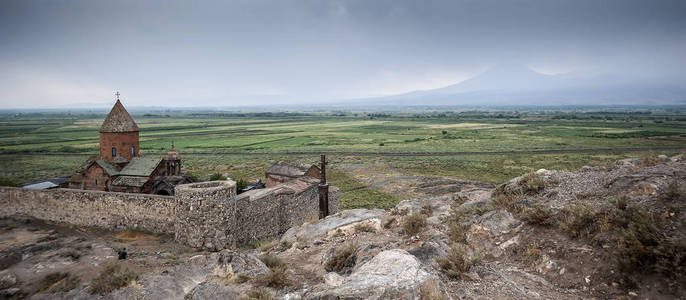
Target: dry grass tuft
(538,215)
(454,263)
(337,261)
(58,283)
(579,220)
(457,232)
(414,224)
(364,227)
(272,261)
(276,278)
(111,278)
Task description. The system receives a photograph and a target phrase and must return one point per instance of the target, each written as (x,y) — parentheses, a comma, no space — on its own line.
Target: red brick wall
(123,141)
(95,178)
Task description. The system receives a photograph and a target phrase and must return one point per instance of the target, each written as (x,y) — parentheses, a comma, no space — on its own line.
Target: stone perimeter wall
(108,210)
(205,215)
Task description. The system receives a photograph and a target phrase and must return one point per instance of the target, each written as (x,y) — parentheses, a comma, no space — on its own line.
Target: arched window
(133,151)
(114,152)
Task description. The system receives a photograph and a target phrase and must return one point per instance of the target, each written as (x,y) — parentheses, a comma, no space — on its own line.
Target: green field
(447,143)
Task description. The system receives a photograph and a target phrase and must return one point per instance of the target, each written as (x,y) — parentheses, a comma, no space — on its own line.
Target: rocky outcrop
(342,222)
(392,274)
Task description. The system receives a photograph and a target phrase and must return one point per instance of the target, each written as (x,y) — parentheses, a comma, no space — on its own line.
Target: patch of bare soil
(31,250)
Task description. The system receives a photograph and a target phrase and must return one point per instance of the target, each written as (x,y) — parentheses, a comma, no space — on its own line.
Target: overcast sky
(186,53)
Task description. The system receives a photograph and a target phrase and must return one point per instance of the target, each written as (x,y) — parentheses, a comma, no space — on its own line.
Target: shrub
(337,261)
(4,181)
(240,184)
(381,144)
(532,183)
(643,245)
(538,215)
(579,220)
(414,223)
(276,278)
(58,283)
(272,261)
(454,263)
(457,232)
(217,176)
(111,278)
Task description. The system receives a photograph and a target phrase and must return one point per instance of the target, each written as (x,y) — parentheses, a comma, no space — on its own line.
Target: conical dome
(119,120)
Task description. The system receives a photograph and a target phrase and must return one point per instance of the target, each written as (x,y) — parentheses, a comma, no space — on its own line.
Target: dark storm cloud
(221,53)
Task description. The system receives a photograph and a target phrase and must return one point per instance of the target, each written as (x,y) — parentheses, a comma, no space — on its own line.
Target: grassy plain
(36,146)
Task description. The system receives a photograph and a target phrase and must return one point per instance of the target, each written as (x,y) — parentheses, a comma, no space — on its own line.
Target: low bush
(217,176)
(532,183)
(414,224)
(579,220)
(454,263)
(111,278)
(276,278)
(457,232)
(340,255)
(272,261)
(643,245)
(538,215)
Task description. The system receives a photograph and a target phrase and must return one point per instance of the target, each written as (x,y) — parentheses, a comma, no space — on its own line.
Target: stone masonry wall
(205,215)
(92,208)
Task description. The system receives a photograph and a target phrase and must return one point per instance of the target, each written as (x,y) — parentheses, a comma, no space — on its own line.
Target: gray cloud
(224,53)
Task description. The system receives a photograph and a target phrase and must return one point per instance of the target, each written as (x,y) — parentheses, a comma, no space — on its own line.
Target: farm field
(489,147)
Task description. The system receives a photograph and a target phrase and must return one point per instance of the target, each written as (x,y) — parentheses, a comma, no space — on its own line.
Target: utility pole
(323,189)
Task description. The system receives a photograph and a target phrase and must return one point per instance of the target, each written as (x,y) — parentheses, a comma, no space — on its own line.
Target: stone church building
(121,167)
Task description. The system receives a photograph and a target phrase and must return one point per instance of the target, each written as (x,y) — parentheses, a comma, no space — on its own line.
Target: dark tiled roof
(118,120)
(288,169)
(140,166)
(136,181)
(110,169)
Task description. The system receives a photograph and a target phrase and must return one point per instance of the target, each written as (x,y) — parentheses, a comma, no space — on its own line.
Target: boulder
(392,274)
(232,263)
(344,221)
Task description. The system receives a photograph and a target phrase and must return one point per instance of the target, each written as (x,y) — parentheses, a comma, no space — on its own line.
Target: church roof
(139,166)
(289,169)
(118,120)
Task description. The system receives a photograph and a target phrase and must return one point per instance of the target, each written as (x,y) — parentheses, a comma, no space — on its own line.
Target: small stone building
(121,167)
(283,171)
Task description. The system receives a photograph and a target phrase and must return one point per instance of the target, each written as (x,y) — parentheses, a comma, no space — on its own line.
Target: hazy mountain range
(519,85)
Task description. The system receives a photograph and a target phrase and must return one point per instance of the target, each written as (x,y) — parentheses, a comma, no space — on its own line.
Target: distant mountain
(519,85)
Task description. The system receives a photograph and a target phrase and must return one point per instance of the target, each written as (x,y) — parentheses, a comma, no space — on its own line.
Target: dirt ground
(32,249)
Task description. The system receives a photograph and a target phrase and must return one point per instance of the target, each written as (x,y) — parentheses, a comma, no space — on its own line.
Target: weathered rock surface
(392,274)
(343,221)
(232,263)
(7,279)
